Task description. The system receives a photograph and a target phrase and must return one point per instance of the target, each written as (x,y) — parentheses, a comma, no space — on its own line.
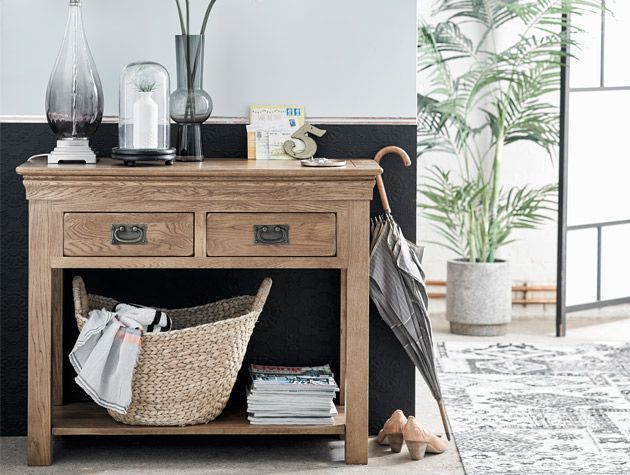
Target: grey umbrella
(398,290)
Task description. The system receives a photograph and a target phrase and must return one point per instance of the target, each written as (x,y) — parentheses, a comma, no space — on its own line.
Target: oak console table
(214,214)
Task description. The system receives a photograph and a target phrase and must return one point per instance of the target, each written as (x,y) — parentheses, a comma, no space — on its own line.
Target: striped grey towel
(104,357)
(106,352)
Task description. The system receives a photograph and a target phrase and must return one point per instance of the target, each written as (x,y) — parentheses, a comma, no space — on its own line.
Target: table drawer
(128,234)
(272,234)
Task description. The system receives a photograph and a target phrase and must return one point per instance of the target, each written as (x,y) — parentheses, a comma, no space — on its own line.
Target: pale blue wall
(340,58)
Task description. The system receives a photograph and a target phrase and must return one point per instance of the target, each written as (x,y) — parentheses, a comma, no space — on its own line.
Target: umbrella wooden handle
(379,180)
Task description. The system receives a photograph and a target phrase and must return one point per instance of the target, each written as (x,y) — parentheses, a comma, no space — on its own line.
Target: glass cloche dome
(144,128)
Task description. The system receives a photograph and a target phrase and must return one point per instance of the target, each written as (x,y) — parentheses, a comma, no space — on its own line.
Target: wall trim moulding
(36,119)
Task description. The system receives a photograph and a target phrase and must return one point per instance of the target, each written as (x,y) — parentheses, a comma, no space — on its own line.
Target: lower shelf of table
(90,419)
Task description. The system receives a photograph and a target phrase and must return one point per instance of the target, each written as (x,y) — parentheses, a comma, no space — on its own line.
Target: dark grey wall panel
(300,322)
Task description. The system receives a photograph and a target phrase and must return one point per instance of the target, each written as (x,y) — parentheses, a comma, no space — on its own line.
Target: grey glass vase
(190,104)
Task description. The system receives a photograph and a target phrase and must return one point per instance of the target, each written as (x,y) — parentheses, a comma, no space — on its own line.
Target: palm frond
(491,14)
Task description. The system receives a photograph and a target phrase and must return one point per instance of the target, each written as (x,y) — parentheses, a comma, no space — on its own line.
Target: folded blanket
(104,357)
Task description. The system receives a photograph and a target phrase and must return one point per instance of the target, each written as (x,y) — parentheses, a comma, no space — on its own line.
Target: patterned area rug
(529,409)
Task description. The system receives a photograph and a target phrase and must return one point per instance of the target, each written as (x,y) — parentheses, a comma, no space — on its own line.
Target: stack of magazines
(301,395)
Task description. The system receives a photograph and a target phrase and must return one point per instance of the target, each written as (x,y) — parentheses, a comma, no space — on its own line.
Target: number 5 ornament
(310,147)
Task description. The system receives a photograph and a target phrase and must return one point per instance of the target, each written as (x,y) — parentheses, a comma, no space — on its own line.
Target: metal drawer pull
(271,234)
(129,233)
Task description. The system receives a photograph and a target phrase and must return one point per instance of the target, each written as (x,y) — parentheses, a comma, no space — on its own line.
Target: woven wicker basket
(185,376)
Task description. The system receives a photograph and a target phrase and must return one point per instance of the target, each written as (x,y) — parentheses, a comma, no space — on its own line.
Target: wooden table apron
(59,240)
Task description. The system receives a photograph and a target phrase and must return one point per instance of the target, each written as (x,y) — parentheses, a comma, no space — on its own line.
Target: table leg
(57,337)
(342,336)
(357,334)
(40,283)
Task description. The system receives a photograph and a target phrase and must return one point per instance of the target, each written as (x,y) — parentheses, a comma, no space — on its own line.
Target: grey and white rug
(530,409)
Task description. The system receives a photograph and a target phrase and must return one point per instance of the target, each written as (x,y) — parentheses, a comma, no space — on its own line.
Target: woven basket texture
(185,376)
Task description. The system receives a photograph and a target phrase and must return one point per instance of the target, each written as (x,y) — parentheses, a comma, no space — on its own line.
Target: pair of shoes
(398,429)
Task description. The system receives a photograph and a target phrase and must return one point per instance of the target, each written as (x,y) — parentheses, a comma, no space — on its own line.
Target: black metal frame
(561,268)
(561,307)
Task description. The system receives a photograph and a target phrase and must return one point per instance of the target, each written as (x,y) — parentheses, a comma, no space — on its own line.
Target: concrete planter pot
(478,297)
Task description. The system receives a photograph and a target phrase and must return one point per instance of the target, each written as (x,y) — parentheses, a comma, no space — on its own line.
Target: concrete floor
(264,455)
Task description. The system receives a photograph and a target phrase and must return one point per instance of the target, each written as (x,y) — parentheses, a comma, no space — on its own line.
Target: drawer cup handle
(129,233)
(271,234)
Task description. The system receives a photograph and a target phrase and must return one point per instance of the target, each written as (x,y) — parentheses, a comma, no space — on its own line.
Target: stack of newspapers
(301,395)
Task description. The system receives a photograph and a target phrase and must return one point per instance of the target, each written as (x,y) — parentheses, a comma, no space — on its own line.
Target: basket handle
(81,304)
(261,295)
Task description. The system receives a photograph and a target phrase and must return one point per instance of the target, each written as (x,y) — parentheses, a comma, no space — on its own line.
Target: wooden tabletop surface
(211,167)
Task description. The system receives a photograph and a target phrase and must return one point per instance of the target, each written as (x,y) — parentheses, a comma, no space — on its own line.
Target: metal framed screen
(594,192)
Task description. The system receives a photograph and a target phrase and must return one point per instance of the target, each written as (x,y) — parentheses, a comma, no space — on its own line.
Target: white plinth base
(72,151)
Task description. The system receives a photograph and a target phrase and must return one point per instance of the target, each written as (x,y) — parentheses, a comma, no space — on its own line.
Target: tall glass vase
(190,104)
(74,97)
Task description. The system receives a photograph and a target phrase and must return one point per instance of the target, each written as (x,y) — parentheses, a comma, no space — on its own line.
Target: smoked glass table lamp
(74,97)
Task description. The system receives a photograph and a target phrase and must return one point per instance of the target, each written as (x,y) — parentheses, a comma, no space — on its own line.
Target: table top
(211,167)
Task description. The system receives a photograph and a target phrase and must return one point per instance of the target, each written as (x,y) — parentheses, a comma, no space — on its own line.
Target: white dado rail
(36,119)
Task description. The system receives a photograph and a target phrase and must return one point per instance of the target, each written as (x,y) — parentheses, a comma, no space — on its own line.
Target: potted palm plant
(477,99)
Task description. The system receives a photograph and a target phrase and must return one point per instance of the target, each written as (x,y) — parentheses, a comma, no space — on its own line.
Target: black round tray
(131,157)
(144,152)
